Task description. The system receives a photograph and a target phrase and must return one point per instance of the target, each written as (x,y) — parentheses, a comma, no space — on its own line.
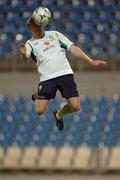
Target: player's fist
(22,48)
(98,62)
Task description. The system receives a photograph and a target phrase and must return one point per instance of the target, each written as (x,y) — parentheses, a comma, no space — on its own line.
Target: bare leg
(73,105)
(40,106)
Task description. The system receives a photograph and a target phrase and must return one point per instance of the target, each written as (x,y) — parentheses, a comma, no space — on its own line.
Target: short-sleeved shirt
(49,53)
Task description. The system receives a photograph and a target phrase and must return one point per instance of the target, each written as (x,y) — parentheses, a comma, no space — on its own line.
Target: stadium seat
(105,155)
(38,139)
(64,158)
(29,158)
(31,6)
(46,159)
(16,5)
(83,160)
(102,101)
(2,4)
(22,136)
(114,159)
(55,141)
(86,107)
(12,158)
(116,101)
(12,17)
(15,13)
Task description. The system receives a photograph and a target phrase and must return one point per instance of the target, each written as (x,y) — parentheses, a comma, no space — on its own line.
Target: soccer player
(47,48)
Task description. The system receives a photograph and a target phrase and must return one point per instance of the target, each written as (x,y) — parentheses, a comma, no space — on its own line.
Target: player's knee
(39,110)
(76,107)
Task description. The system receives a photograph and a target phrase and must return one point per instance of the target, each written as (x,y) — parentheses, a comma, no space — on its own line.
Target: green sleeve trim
(63,45)
(32,53)
(31,47)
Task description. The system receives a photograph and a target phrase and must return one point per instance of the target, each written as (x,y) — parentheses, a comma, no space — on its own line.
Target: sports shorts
(65,84)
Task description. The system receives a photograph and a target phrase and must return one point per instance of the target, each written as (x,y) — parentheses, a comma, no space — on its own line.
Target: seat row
(64,158)
(69,17)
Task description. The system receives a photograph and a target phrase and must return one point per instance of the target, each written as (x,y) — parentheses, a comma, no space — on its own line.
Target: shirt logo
(49,47)
(51,37)
(36,43)
(40,87)
(46,43)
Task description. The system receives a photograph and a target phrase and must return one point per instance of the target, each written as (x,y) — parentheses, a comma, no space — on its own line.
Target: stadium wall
(92,84)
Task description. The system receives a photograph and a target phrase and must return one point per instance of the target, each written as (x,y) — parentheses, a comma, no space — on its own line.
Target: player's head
(33,27)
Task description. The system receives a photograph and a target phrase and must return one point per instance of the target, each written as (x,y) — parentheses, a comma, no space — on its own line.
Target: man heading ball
(47,48)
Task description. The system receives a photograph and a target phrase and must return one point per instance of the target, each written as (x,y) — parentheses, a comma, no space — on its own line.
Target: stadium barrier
(65,158)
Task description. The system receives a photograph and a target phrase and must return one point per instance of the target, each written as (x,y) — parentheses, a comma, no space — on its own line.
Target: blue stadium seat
(17,5)
(23,127)
(8,124)
(3,6)
(88,18)
(21,140)
(4,100)
(31,5)
(56,140)
(102,101)
(38,139)
(2,20)
(108,5)
(85,101)
(5,49)
(25,16)
(116,101)
(74,139)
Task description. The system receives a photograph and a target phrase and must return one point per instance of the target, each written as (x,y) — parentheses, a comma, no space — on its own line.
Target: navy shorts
(65,84)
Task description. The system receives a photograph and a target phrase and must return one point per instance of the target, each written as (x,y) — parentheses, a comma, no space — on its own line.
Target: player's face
(34,28)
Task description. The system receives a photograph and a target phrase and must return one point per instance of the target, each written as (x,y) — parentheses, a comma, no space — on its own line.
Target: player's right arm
(23,50)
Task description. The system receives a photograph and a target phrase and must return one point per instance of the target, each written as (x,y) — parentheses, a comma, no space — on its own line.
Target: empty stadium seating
(91,24)
(65,157)
(47,157)
(29,141)
(83,159)
(29,157)
(12,157)
(97,123)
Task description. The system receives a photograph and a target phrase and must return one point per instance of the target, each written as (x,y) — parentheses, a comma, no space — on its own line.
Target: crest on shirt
(51,37)
(46,43)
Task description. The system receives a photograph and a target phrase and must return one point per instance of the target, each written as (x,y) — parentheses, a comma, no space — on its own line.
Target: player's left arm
(81,55)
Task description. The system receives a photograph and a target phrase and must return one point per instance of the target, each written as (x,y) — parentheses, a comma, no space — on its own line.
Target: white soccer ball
(41,16)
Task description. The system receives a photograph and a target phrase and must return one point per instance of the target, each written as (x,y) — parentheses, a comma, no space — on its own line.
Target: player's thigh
(47,89)
(74,102)
(67,86)
(40,105)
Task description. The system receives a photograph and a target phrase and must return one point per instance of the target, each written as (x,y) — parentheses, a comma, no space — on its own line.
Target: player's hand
(98,62)
(22,48)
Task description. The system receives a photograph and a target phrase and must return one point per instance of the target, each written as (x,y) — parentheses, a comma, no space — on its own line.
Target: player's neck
(39,34)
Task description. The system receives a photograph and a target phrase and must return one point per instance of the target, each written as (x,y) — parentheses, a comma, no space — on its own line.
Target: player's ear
(31,23)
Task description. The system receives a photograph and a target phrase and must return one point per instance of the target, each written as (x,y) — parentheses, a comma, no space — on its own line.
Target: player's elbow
(75,50)
(72,48)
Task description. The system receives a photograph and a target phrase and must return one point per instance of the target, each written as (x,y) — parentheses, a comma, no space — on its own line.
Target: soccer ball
(41,16)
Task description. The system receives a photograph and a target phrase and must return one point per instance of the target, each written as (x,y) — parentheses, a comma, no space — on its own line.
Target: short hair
(31,23)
